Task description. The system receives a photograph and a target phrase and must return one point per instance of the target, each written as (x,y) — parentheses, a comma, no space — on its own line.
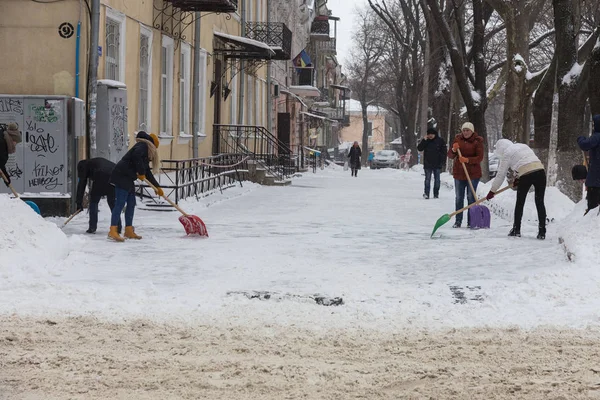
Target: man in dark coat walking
(434,155)
(592,182)
(354,155)
(97,171)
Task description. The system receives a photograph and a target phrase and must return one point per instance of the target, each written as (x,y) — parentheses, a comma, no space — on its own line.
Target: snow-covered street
(278,262)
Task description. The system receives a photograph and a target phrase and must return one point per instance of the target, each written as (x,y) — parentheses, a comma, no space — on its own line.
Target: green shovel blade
(441,221)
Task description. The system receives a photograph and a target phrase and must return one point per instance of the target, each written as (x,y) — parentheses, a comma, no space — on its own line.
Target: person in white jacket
(523,169)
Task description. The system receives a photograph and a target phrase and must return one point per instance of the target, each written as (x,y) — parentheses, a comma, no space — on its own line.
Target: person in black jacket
(354,156)
(97,171)
(434,155)
(135,164)
(592,182)
(9,138)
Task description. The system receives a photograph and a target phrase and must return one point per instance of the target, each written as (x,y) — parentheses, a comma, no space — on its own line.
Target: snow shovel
(447,217)
(191,223)
(479,216)
(28,202)
(70,218)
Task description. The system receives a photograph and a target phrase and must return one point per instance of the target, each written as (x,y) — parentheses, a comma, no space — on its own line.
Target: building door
(284,128)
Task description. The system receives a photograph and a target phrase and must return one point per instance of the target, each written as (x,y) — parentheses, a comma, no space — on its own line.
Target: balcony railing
(326,46)
(223,6)
(276,34)
(319,30)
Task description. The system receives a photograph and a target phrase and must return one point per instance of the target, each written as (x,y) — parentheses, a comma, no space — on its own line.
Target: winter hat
(468,125)
(155,139)
(579,172)
(501,146)
(432,131)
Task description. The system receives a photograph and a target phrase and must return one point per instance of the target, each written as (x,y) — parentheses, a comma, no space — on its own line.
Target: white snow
(573,74)
(580,235)
(245,40)
(476,96)
(365,240)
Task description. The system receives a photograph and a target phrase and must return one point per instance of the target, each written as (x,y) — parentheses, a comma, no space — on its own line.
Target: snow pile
(27,241)
(579,235)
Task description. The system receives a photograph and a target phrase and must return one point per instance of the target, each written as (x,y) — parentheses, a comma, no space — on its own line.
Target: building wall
(354,132)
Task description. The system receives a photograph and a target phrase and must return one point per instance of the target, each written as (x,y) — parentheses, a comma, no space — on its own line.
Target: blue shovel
(28,202)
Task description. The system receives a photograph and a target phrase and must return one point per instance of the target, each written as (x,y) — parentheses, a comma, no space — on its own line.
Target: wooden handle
(71,217)
(468,177)
(584,158)
(166,198)
(478,201)
(9,185)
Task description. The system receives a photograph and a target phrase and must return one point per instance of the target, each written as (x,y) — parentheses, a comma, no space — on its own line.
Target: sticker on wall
(66,30)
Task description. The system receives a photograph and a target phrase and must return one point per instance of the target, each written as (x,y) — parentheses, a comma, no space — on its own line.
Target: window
(265,105)
(145,94)
(370,128)
(115,46)
(203,92)
(166,86)
(184,88)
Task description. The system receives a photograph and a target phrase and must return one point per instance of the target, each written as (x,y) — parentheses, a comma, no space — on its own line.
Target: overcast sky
(344,9)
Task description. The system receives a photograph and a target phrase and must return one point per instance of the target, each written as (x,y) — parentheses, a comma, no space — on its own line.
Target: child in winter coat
(9,138)
(519,161)
(471,148)
(135,164)
(592,181)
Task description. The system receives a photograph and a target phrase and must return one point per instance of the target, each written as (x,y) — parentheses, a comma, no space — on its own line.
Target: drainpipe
(93,78)
(77,51)
(242,75)
(196,83)
(269,66)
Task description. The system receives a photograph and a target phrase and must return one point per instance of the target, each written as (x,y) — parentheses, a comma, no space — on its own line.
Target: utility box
(112,138)
(43,168)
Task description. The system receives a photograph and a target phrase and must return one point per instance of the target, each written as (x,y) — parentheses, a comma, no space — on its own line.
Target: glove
(141,177)
(516,182)
(79,207)
(463,160)
(455,147)
(159,191)
(490,195)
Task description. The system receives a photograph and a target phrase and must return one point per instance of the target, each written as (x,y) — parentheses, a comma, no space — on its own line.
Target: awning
(317,116)
(243,47)
(340,87)
(305,91)
(284,91)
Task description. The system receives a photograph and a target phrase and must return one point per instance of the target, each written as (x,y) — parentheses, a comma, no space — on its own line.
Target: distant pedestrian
(97,171)
(354,155)
(520,165)
(592,181)
(471,148)
(9,138)
(135,164)
(434,156)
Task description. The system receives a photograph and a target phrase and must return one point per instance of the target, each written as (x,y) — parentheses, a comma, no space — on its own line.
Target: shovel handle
(167,199)
(584,158)
(71,217)
(9,185)
(477,202)
(468,177)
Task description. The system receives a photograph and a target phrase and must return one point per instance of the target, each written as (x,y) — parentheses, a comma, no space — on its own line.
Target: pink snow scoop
(479,216)
(191,223)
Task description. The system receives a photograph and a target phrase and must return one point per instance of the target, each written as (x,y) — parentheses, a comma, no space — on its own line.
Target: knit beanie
(468,125)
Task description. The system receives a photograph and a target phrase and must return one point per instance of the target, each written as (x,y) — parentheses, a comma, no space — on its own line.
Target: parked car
(386,159)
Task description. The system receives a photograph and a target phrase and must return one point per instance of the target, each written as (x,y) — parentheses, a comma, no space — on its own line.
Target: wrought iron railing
(320,28)
(181,179)
(276,34)
(224,6)
(259,144)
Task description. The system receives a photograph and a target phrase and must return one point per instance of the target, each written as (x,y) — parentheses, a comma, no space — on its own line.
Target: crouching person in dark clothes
(135,164)
(518,161)
(97,171)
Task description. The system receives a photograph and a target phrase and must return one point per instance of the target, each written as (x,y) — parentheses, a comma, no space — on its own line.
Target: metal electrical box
(45,161)
(112,138)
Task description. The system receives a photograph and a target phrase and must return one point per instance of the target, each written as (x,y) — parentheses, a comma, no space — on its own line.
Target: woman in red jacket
(471,148)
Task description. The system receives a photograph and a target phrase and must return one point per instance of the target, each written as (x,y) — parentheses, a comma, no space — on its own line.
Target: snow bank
(27,241)
(579,235)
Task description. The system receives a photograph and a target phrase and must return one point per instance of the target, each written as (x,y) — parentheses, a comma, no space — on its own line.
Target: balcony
(319,30)
(219,6)
(276,34)
(327,47)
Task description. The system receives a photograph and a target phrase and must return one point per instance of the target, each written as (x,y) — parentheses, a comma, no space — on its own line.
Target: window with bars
(143,104)
(113,44)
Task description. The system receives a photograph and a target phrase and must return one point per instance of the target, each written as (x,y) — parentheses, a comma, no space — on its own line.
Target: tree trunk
(542,113)
(365,135)
(594,82)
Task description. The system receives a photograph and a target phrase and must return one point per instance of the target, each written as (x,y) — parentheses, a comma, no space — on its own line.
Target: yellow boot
(130,233)
(113,234)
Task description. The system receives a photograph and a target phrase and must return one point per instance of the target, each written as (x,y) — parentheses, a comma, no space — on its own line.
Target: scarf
(152,154)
